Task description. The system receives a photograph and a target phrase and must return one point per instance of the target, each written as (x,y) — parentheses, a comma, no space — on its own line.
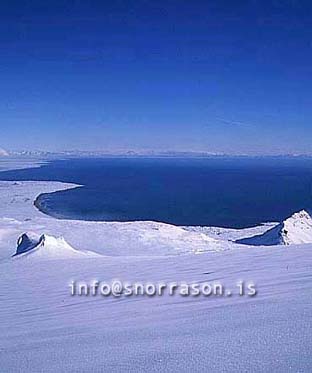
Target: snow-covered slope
(297,229)
(44,328)
(232,234)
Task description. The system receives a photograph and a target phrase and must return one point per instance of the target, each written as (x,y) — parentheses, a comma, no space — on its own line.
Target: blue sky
(220,76)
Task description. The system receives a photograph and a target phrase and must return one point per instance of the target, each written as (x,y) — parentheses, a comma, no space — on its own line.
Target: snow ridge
(295,230)
(46,246)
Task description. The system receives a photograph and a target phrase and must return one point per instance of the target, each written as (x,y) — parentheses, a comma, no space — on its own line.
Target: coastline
(39,206)
(29,194)
(138,238)
(11,163)
(151,195)
(39,315)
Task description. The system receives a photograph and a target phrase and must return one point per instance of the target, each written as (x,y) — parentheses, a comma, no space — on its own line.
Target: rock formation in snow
(297,229)
(47,246)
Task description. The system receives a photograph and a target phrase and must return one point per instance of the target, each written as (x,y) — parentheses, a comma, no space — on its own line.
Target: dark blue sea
(227,192)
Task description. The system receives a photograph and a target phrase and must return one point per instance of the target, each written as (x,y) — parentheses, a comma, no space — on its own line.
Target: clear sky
(221,76)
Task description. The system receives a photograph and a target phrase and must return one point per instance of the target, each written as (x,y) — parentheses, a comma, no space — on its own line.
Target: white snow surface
(45,329)
(15,162)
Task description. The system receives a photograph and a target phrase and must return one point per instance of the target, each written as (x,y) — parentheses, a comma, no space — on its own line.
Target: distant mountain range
(3,153)
(127,153)
(135,153)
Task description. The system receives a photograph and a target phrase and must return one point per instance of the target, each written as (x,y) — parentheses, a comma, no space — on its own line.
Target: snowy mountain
(3,153)
(116,153)
(297,229)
